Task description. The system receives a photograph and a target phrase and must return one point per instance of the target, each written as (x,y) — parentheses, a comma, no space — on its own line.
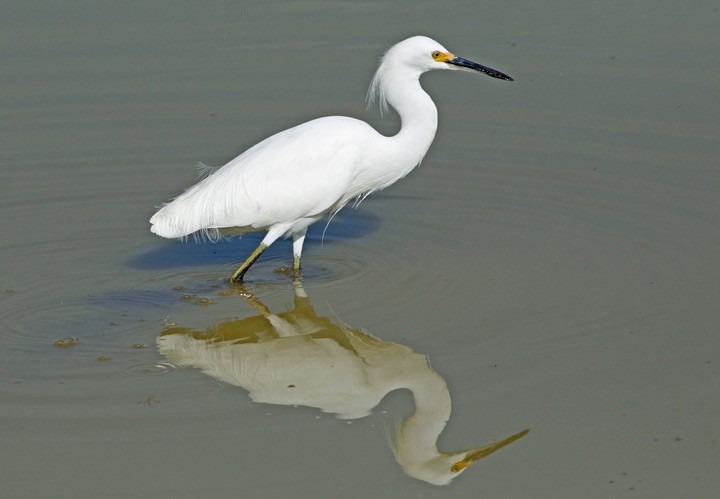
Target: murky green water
(555,256)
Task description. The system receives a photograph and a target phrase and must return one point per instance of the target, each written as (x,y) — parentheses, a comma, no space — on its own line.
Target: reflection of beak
(466,65)
(476,454)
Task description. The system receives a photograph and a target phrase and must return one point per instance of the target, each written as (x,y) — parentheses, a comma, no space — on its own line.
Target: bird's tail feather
(172,221)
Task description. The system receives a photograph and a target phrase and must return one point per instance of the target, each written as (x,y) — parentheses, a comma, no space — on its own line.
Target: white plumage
(295,177)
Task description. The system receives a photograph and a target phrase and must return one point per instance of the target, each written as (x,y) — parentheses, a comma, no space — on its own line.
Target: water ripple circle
(149,369)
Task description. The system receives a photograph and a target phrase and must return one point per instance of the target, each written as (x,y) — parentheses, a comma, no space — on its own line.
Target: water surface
(554,257)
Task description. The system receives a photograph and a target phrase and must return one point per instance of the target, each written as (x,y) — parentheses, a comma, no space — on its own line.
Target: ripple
(32,319)
(149,369)
(330,263)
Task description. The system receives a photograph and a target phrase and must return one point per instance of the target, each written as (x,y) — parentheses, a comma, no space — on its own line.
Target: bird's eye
(436,55)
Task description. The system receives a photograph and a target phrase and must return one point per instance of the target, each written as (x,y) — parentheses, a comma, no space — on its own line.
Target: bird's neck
(416,439)
(417,111)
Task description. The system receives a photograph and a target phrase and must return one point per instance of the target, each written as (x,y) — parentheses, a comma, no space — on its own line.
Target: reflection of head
(421,458)
(298,358)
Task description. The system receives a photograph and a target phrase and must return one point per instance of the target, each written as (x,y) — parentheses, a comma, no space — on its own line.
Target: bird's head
(442,468)
(421,54)
(412,57)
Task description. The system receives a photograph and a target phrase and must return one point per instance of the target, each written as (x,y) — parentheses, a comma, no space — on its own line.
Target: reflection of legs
(300,297)
(280,327)
(269,238)
(298,240)
(257,304)
(298,288)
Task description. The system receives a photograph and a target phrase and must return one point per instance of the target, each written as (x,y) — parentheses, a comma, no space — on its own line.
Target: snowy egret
(295,177)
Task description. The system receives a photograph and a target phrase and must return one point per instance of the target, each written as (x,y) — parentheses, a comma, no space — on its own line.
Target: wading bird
(295,177)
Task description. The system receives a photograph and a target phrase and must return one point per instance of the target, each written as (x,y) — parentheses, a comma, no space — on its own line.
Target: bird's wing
(298,173)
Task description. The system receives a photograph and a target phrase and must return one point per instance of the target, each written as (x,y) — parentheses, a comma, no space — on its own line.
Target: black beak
(466,65)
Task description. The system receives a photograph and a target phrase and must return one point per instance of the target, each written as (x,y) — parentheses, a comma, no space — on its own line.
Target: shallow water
(554,257)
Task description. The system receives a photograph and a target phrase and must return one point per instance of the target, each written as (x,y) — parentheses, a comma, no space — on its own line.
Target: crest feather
(376,93)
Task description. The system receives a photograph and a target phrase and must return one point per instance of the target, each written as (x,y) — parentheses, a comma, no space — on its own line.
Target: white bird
(295,177)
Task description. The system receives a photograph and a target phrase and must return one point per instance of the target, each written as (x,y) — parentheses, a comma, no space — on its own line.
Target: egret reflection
(299,358)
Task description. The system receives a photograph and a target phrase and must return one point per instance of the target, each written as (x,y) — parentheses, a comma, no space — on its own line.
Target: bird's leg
(298,240)
(271,236)
(240,272)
